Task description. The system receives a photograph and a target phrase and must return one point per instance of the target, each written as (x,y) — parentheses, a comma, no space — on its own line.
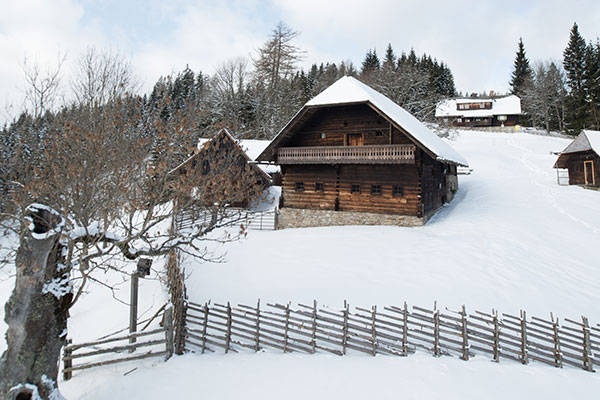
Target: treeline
(560,97)
(256,98)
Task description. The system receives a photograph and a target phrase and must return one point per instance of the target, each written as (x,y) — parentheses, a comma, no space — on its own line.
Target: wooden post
(436,331)
(204,327)
(373,330)
(133,308)
(557,352)
(168,324)
(257,329)
(405,331)
(286,328)
(345,327)
(524,357)
(465,339)
(228,334)
(314,327)
(67,361)
(587,347)
(496,345)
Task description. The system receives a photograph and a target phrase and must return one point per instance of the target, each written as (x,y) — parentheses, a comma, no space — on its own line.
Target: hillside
(512,239)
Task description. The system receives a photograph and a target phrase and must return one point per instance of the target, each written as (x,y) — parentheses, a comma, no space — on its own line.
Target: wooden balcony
(378,154)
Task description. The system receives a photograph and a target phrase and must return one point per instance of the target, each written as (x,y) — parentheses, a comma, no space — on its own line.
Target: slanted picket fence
(393,330)
(119,349)
(252,220)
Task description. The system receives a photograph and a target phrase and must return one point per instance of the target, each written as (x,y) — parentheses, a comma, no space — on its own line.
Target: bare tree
(96,193)
(43,87)
(229,97)
(102,76)
(278,57)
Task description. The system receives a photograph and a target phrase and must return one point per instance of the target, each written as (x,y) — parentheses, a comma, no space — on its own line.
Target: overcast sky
(476,39)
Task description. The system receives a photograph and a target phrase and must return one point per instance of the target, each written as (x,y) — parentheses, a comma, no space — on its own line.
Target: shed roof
(587,140)
(509,105)
(349,90)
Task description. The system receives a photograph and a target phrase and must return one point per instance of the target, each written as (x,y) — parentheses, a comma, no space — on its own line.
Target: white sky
(477,39)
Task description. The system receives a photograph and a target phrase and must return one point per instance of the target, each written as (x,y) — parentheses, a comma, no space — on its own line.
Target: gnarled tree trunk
(37,311)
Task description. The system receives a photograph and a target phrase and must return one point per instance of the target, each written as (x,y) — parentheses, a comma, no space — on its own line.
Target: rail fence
(119,349)
(393,330)
(252,220)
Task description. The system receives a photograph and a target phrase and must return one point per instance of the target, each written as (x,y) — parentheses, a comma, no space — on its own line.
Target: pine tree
(371,63)
(574,64)
(522,75)
(389,63)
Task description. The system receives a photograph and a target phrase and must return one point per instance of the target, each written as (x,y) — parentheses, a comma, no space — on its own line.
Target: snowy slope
(511,239)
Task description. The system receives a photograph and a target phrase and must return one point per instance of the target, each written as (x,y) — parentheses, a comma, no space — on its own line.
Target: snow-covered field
(511,239)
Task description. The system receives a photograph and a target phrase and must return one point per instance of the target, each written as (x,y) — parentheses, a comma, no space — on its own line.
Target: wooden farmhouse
(582,159)
(494,111)
(353,156)
(221,172)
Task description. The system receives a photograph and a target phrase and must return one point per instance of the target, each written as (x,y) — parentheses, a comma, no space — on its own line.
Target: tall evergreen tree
(574,65)
(522,75)
(371,63)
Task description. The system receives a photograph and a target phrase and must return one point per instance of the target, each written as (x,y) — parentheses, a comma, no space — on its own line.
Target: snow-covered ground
(512,239)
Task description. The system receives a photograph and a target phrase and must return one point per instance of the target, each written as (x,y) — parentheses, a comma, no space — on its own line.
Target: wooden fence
(114,350)
(252,220)
(392,330)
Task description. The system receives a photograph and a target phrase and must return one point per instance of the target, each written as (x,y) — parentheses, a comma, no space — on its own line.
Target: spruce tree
(522,74)
(574,64)
(371,63)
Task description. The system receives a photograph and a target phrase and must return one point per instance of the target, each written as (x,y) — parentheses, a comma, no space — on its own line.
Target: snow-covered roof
(509,105)
(252,148)
(585,141)
(349,90)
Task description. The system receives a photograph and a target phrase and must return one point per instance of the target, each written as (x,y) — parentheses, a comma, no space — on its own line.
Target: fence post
(345,327)
(133,308)
(168,324)
(67,361)
(314,327)
(587,347)
(405,331)
(496,345)
(286,329)
(524,358)
(373,331)
(204,327)
(436,330)
(465,339)
(557,352)
(257,329)
(228,333)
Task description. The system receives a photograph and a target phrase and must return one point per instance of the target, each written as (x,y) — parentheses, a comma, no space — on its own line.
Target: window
(378,133)
(205,167)
(355,189)
(323,135)
(299,186)
(481,105)
(398,190)
(376,190)
(318,187)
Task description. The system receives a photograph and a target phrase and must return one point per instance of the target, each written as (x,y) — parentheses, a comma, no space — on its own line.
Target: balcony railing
(378,154)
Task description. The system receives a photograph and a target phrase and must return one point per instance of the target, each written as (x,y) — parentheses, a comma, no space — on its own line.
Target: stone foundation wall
(303,218)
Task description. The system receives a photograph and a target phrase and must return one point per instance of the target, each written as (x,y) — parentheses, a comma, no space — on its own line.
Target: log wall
(337,122)
(577,170)
(337,184)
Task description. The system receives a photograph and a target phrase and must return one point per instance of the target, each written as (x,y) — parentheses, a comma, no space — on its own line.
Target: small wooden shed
(353,156)
(220,171)
(582,159)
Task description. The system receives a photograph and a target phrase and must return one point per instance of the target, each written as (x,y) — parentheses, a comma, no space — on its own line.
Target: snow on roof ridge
(350,90)
(594,138)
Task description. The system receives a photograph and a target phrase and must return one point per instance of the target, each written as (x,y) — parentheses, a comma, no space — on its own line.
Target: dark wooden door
(588,169)
(355,139)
